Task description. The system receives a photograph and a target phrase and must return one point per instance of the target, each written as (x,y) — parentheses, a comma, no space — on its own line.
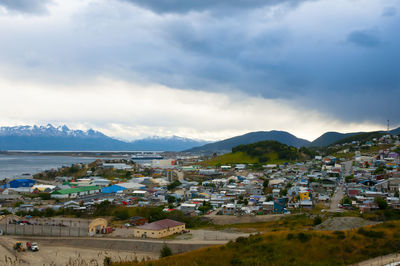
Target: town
(362,176)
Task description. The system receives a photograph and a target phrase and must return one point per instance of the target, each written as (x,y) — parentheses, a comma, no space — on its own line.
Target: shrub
(303,237)
(317,220)
(165,251)
(382,203)
(107,261)
(340,234)
(370,233)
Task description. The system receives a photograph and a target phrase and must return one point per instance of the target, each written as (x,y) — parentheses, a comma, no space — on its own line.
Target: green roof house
(75,192)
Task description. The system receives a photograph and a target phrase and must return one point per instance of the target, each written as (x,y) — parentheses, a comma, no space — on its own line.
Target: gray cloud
(364,38)
(26,6)
(254,51)
(183,6)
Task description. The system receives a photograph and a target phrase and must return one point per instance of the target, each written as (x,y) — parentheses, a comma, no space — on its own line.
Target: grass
(295,247)
(240,157)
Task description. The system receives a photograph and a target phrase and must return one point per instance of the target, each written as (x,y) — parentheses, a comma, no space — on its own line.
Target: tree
(382,203)
(173,185)
(317,220)
(165,251)
(266,183)
(346,200)
(348,178)
(171,199)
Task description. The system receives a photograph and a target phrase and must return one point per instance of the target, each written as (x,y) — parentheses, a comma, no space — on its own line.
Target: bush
(107,261)
(317,220)
(303,237)
(340,234)
(122,214)
(370,233)
(165,251)
(382,203)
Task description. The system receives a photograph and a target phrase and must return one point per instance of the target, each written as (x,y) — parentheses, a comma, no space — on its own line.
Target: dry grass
(295,247)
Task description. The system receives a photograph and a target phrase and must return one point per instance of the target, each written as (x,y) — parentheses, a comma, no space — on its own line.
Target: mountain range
(324,140)
(62,138)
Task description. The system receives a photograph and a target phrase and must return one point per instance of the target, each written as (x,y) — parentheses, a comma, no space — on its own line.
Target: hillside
(362,137)
(294,247)
(260,152)
(329,138)
(48,138)
(253,137)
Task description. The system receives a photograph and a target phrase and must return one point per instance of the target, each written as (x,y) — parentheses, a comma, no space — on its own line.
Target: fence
(71,228)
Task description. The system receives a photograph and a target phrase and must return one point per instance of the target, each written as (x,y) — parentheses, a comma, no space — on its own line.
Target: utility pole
(388,126)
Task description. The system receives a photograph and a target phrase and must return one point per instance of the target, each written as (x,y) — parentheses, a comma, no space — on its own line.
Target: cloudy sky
(200,69)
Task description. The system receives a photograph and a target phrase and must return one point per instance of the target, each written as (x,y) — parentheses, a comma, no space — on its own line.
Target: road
(339,194)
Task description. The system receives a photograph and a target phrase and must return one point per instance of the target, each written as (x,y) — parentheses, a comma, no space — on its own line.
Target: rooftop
(160,225)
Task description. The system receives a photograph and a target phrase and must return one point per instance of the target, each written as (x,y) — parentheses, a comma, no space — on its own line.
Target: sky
(200,69)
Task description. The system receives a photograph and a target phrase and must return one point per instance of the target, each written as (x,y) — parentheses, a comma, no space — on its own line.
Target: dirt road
(389,260)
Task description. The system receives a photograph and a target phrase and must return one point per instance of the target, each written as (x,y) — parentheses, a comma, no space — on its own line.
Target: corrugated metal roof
(160,225)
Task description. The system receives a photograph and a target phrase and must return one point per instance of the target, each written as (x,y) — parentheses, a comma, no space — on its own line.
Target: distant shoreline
(70,153)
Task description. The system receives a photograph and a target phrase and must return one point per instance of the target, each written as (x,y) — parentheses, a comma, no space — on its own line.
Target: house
(71,205)
(307,204)
(240,167)
(188,208)
(26,207)
(275,193)
(140,193)
(268,207)
(229,209)
(304,195)
(100,182)
(137,220)
(159,229)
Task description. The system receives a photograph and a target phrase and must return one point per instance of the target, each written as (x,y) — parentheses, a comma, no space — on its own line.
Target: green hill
(261,152)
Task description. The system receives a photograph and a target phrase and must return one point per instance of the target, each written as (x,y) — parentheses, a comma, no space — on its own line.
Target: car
(34,246)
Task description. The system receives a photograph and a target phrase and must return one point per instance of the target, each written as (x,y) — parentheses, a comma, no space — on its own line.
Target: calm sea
(16,165)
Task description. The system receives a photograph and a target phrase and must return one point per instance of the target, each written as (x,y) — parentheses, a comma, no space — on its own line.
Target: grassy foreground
(295,248)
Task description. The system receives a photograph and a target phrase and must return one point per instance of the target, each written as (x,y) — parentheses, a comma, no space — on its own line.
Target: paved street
(339,194)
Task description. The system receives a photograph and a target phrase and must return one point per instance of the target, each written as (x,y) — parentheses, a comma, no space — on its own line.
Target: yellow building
(304,195)
(159,229)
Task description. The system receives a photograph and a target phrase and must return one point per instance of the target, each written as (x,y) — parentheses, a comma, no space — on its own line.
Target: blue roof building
(17,183)
(112,189)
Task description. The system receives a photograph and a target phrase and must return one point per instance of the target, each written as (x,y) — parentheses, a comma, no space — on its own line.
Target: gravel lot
(62,255)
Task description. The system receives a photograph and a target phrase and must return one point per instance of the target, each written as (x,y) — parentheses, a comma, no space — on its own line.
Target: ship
(145,155)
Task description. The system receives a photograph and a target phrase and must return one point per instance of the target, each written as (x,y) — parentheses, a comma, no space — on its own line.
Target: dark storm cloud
(183,6)
(26,6)
(364,38)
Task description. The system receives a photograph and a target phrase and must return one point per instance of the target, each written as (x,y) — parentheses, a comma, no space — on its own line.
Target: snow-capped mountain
(48,130)
(64,139)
